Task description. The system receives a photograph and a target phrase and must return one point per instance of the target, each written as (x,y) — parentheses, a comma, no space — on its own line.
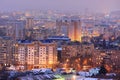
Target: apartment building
(36,54)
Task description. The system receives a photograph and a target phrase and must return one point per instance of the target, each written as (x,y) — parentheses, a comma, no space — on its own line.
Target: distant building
(40,34)
(75,30)
(15,29)
(29,23)
(70,27)
(28,27)
(62,26)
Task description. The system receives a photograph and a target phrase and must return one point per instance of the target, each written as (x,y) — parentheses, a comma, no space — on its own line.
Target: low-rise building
(77,55)
(110,58)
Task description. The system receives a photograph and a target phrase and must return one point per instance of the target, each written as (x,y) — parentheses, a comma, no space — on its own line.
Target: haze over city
(61,5)
(59,39)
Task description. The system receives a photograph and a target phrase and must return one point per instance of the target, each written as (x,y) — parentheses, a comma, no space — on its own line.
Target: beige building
(70,27)
(6,56)
(75,30)
(37,54)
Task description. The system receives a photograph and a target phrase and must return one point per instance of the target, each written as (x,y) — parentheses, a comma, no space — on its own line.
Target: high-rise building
(62,26)
(29,23)
(36,54)
(70,27)
(6,54)
(15,30)
(75,30)
(29,27)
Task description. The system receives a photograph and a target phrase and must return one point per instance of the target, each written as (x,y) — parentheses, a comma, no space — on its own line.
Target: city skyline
(59,39)
(61,5)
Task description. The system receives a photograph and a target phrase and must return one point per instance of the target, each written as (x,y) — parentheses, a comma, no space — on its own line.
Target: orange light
(50,62)
(85,62)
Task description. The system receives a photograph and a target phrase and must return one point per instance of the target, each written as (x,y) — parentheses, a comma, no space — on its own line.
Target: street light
(74,77)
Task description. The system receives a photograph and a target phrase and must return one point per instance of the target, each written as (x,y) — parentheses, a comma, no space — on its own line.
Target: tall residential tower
(70,27)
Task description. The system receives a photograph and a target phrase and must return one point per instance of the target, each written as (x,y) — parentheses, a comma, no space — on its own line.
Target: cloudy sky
(63,5)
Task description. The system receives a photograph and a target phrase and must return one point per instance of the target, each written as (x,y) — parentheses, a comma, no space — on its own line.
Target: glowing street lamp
(74,77)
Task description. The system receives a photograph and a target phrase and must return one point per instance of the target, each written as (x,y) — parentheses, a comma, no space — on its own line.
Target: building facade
(77,55)
(29,23)
(6,54)
(15,29)
(109,58)
(70,27)
(37,54)
(75,30)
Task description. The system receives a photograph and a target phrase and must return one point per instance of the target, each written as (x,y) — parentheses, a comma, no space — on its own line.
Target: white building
(36,54)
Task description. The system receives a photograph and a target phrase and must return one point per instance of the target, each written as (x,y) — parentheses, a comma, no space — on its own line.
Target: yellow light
(50,62)
(74,77)
(85,62)
(67,60)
